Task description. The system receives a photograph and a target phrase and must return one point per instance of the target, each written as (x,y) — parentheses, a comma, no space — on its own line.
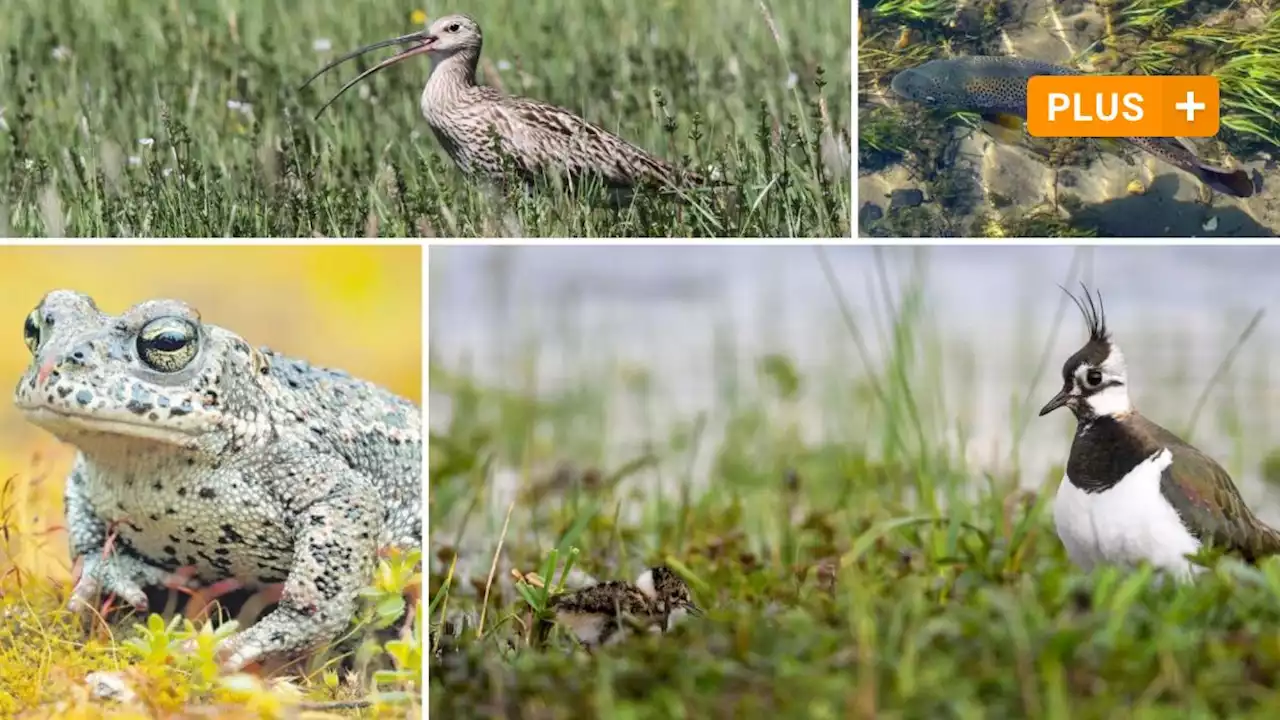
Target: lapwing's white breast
(1125,524)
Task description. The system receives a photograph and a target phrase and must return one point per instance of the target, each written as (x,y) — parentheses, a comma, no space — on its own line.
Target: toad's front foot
(283,631)
(123,575)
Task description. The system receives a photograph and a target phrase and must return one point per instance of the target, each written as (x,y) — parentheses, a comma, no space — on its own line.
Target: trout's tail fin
(1236,183)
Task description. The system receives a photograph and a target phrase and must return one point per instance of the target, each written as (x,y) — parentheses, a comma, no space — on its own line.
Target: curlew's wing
(541,137)
(1203,494)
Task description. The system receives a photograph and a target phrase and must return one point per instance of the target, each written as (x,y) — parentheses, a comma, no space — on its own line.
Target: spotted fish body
(997,85)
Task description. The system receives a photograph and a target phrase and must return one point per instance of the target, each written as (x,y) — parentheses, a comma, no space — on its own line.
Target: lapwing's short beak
(693,610)
(415,43)
(1058,401)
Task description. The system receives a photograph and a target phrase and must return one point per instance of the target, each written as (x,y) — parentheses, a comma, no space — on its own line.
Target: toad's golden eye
(168,344)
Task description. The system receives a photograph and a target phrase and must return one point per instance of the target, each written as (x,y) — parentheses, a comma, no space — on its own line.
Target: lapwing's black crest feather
(1095,316)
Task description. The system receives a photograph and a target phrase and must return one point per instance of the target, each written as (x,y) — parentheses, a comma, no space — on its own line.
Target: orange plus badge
(1122,106)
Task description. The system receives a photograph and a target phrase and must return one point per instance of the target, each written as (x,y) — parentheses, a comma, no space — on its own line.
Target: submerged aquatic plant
(1250,86)
(1170,36)
(932,11)
(1150,14)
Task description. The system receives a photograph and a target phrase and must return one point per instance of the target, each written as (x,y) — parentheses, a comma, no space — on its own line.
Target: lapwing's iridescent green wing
(1210,504)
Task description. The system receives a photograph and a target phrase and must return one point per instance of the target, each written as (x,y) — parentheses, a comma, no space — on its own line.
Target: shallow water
(674,311)
(1008,176)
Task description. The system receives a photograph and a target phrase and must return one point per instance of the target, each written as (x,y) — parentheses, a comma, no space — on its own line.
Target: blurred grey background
(690,324)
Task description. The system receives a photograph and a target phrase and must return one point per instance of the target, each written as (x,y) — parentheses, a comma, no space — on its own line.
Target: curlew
(535,139)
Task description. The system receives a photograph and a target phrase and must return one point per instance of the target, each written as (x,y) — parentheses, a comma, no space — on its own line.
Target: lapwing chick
(1134,491)
(604,613)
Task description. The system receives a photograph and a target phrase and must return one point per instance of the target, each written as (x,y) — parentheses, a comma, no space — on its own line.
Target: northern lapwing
(1133,491)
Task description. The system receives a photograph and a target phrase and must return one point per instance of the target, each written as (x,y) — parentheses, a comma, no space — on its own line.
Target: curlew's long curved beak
(418,43)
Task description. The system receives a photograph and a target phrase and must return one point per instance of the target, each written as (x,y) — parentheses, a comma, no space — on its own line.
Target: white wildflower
(321,45)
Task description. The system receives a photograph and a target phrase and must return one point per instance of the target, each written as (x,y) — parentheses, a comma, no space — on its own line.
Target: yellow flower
(418,17)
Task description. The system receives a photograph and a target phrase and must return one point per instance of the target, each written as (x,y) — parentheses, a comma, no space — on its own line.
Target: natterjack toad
(198,451)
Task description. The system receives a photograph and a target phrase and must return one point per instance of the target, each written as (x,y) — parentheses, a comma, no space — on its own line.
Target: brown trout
(997,85)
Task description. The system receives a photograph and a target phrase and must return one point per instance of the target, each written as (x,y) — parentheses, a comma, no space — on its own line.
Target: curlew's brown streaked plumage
(536,138)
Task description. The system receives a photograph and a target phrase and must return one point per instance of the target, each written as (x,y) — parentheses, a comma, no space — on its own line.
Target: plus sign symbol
(1190,106)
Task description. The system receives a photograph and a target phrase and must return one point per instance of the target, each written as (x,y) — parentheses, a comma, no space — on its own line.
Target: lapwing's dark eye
(1093,378)
(455,27)
(31,331)
(168,344)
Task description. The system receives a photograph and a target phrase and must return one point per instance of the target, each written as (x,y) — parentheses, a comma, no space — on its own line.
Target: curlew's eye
(454,27)
(1093,378)
(168,344)
(31,331)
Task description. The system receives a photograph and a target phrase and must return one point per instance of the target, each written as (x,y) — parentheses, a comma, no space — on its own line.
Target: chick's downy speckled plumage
(198,451)
(596,615)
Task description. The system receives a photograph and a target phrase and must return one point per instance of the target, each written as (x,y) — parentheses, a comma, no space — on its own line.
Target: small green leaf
(530,596)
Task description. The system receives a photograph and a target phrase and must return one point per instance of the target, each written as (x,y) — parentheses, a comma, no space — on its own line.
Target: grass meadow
(186,119)
(358,309)
(854,557)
